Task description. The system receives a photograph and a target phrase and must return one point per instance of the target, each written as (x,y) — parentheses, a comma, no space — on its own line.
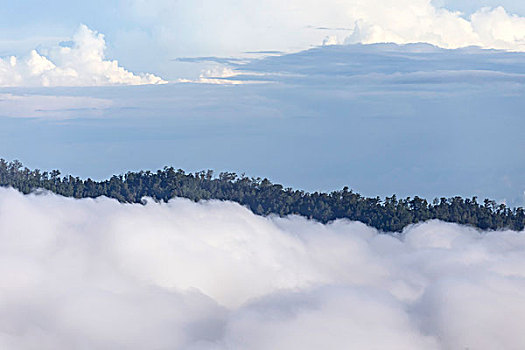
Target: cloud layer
(52,107)
(384,64)
(95,274)
(80,62)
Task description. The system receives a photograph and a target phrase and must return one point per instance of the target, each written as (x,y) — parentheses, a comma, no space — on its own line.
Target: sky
(411,97)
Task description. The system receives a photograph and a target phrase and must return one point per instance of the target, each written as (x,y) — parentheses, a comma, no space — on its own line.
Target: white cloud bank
(80,64)
(95,274)
(230,27)
(411,21)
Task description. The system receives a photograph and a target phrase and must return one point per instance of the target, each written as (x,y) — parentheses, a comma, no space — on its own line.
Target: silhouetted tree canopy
(264,197)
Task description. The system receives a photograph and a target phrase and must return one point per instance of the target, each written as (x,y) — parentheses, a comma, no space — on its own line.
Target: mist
(97,274)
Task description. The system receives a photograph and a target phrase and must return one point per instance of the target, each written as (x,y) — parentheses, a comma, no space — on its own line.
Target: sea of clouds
(96,274)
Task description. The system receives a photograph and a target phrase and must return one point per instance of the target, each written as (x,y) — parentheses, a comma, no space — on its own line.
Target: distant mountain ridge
(266,198)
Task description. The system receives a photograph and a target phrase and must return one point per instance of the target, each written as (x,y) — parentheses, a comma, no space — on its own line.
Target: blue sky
(382,118)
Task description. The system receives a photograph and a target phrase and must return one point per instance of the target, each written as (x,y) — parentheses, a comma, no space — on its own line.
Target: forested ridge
(264,197)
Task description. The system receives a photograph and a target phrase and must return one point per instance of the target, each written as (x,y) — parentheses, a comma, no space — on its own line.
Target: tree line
(264,197)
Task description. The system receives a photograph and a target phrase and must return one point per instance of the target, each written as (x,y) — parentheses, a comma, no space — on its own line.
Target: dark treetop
(264,198)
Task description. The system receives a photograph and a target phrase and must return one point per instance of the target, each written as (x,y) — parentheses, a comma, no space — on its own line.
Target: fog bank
(96,274)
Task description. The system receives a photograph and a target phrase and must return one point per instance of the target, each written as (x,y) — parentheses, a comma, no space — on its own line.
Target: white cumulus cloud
(82,63)
(96,274)
(412,21)
(232,27)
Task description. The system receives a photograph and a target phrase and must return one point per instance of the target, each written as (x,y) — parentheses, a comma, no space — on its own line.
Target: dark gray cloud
(390,63)
(221,60)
